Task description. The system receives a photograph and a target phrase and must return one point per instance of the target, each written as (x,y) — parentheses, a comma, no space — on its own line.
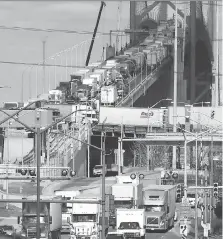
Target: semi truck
(131,223)
(160,206)
(66,207)
(50,219)
(86,218)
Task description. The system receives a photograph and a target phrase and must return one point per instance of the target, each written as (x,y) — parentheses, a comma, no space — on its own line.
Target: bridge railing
(139,79)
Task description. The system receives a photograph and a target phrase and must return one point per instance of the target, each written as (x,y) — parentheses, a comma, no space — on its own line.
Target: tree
(158,154)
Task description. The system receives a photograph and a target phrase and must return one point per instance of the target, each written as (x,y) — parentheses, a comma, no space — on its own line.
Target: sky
(27,46)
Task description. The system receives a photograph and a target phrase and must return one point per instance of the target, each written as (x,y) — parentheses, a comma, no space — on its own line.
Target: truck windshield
(123,204)
(98,167)
(191,195)
(32,219)
(154,208)
(84,218)
(129,225)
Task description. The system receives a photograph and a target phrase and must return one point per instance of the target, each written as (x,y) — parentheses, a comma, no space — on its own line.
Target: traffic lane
(153,235)
(24,188)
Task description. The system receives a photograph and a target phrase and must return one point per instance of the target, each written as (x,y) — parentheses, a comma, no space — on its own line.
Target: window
(191,195)
(129,225)
(123,204)
(154,208)
(83,218)
(32,219)
(98,167)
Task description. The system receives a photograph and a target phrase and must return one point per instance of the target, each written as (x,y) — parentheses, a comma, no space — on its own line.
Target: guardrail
(140,79)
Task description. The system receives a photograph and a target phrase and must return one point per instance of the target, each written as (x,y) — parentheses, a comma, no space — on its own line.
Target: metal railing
(140,79)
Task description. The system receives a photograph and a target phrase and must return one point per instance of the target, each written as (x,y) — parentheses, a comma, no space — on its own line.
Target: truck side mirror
(168,209)
(18,220)
(68,220)
(50,220)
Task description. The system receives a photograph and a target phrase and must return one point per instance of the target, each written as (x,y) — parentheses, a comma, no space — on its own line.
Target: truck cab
(50,219)
(85,220)
(160,206)
(131,223)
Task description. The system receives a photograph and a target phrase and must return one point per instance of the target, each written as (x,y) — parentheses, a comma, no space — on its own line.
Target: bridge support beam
(192,51)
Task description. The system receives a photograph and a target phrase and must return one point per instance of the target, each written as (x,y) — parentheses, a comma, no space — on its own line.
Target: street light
(149,108)
(22,93)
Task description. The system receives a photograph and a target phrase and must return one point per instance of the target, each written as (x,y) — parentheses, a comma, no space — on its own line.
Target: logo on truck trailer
(145,114)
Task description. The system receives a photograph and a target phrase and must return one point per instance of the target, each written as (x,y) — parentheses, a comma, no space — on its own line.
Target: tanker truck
(50,219)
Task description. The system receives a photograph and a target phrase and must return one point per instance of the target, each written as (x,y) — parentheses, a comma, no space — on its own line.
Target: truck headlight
(137,234)
(162,223)
(42,234)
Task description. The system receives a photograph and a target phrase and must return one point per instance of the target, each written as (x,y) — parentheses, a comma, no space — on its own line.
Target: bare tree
(158,154)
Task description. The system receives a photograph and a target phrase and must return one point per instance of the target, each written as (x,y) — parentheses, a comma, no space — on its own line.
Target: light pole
(148,131)
(22,90)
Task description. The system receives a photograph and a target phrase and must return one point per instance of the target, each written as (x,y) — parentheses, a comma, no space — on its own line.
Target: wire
(37,64)
(2,27)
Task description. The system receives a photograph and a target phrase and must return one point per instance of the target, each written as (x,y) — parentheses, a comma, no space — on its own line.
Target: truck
(126,195)
(131,223)
(50,219)
(160,206)
(86,218)
(66,207)
(56,96)
(109,94)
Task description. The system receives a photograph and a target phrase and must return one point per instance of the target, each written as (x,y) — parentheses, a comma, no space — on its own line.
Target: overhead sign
(131,116)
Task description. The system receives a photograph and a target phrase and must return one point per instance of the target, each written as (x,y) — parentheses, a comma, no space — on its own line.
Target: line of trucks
(109,80)
(129,207)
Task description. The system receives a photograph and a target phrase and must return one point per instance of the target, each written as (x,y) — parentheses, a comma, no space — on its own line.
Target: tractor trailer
(50,219)
(160,206)
(85,220)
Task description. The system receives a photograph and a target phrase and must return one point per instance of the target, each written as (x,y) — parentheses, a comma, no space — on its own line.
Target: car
(7,230)
(97,170)
(114,235)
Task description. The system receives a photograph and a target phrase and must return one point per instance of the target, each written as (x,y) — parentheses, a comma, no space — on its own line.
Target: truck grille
(31,233)
(152,220)
(83,237)
(129,235)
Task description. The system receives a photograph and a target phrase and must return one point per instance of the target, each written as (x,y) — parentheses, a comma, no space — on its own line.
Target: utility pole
(175,87)
(44,67)
(211,179)
(103,186)
(38,158)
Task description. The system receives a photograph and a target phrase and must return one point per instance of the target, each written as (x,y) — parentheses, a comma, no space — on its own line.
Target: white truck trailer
(131,223)
(50,219)
(66,207)
(86,217)
(127,194)
(160,206)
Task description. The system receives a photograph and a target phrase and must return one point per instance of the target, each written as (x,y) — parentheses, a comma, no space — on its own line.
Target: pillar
(192,51)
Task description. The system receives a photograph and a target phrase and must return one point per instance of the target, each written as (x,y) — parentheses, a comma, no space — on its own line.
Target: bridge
(199,77)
